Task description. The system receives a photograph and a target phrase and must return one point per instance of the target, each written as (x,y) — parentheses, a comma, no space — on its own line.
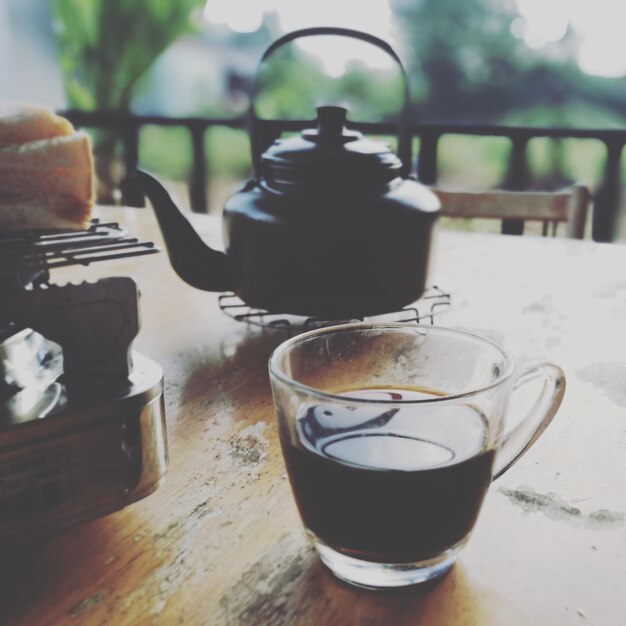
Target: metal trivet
(434,301)
(42,250)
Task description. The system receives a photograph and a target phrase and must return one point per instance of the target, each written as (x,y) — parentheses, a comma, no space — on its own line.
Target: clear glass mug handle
(520,438)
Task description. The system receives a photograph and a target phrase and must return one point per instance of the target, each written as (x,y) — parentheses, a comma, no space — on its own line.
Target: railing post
(198,179)
(517,179)
(607,200)
(130,141)
(427,159)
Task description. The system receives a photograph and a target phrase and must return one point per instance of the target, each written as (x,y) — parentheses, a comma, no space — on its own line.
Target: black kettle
(330,226)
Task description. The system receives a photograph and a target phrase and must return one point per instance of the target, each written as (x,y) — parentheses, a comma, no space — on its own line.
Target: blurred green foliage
(462,57)
(480,162)
(105,46)
(167,152)
(467,66)
(228,152)
(292,83)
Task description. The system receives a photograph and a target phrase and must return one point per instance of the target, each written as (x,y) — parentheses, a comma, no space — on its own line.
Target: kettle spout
(195,262)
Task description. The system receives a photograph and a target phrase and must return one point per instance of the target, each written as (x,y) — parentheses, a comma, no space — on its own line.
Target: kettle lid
(329,153)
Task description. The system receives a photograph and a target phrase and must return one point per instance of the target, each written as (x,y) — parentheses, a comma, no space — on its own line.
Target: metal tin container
(94,452)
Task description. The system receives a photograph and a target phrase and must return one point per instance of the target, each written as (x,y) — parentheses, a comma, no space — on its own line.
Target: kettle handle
(258,145)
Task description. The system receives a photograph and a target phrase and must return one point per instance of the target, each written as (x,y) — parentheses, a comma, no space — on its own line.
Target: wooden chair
(569,206)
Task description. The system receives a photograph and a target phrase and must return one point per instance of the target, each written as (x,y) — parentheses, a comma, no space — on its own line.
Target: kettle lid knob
(331,120)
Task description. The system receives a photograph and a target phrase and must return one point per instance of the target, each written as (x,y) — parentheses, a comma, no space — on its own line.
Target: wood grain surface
(220,543)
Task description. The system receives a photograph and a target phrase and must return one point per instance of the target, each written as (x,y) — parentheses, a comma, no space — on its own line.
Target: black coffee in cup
(389,486)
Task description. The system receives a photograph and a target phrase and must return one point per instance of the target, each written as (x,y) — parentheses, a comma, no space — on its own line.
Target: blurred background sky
(230,34)
(598,23)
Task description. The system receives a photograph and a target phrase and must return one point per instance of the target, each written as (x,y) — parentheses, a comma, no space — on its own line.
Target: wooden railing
(607,196)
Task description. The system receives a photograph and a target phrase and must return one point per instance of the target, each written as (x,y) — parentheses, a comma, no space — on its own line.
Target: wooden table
(220,543)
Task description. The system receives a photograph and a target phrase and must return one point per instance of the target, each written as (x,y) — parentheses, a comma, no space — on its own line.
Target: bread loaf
(46,171)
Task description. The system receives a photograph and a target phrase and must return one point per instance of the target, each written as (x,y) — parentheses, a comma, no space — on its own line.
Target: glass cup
(391,434)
